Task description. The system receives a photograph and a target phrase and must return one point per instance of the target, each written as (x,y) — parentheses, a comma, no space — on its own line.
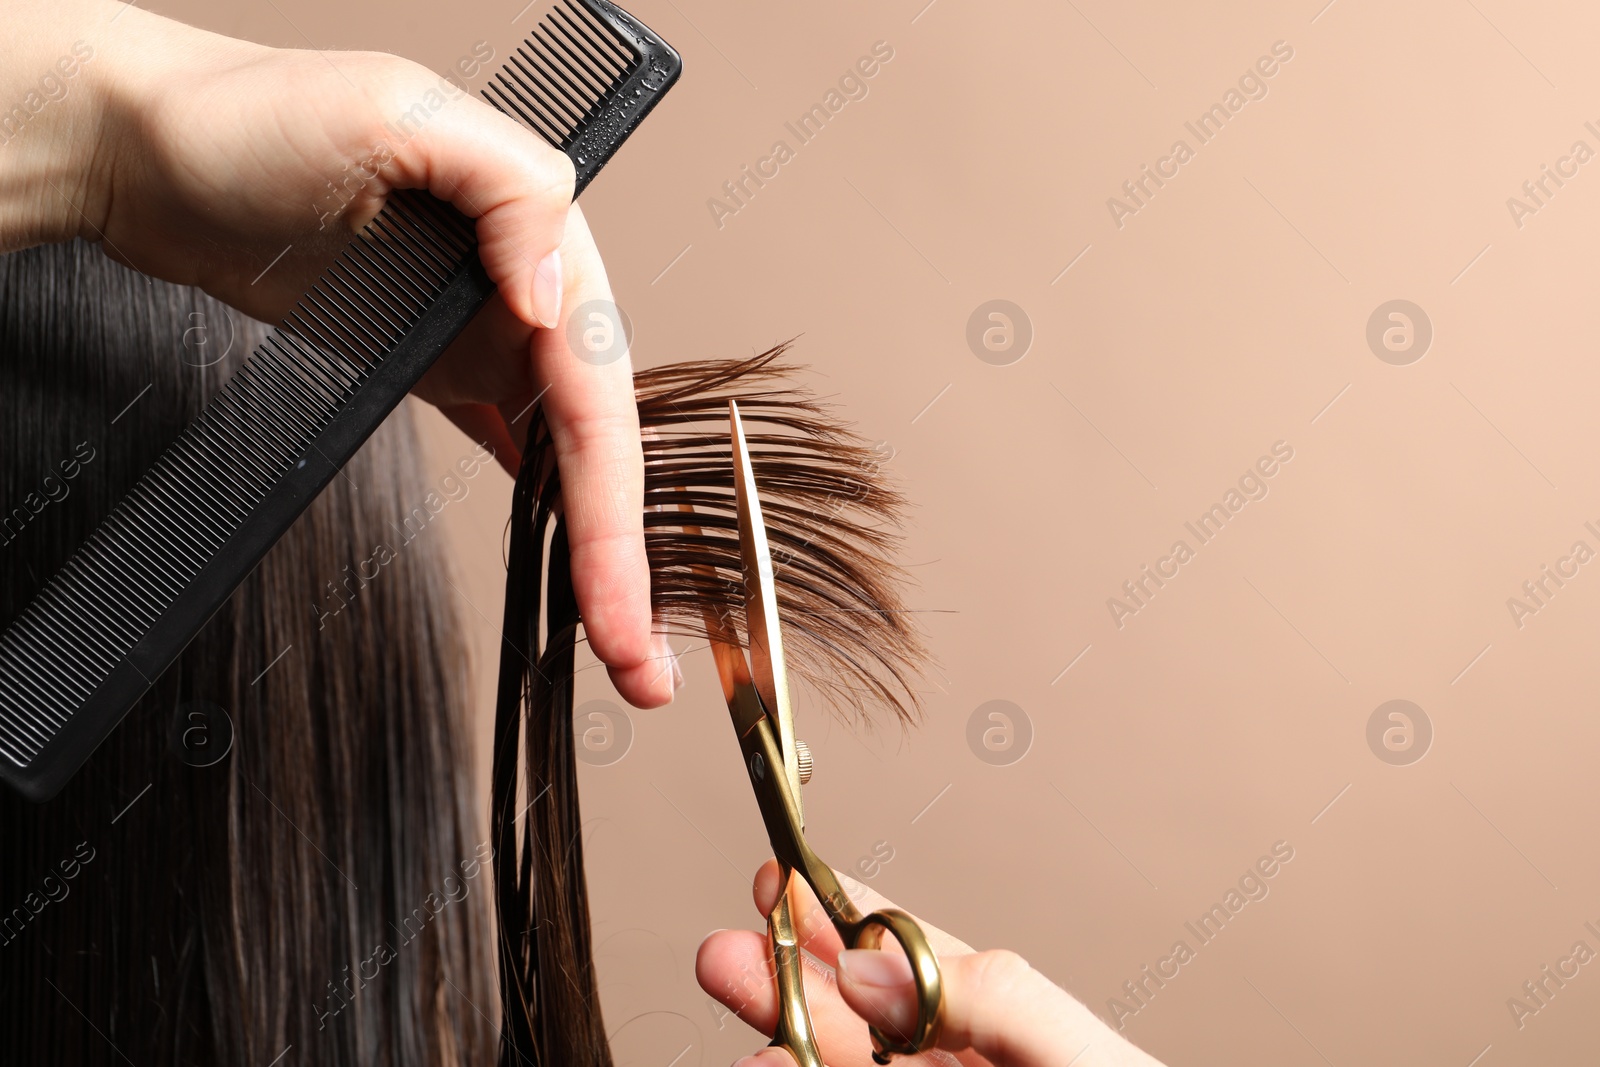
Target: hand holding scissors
(998,1011)
(1011,1015)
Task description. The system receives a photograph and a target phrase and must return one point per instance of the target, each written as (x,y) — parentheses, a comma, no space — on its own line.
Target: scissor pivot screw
(802,752)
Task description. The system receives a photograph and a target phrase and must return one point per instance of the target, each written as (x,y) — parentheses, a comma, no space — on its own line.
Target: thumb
(994,1003)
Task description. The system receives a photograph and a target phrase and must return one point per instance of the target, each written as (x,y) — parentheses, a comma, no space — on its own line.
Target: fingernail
(871,967)
(884,981)
(669,662)
(547,290)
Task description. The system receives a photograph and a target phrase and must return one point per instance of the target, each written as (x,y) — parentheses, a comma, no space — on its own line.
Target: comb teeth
(562,74)
(172,551)
(209,482)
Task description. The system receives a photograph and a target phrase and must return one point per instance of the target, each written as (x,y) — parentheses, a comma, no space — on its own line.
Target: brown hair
(831,523)
(320,886)
(318,894)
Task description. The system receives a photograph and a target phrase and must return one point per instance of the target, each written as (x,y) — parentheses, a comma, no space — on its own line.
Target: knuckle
(551,179)
(396,82)
(600,436)
(607,529)
(1000,971)
(564,173)
(996,980)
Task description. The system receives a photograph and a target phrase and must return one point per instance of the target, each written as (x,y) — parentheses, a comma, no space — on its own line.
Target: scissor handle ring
(868,933)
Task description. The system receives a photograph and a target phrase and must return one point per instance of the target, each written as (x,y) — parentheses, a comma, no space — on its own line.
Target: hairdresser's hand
(997,1009)
(244,169)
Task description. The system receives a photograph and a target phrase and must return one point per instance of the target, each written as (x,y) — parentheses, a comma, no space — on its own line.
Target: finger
(767,1057)
(491,168)
(486,426)
(589,405)
(811,923)
(815,928)
(994,1004)
(661,672)
(735,967)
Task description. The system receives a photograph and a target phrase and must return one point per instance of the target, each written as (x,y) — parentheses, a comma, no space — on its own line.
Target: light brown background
(1223,317)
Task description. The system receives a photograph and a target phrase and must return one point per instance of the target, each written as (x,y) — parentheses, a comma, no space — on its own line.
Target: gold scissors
(778,764)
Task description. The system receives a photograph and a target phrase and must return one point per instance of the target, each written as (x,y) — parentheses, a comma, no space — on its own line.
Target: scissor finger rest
(779,811)
(793,1029)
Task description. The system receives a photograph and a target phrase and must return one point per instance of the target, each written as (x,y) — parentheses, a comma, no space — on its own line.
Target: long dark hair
(832,523)
(274,860)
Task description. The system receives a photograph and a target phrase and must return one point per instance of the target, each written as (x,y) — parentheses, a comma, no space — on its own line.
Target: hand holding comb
(172,551)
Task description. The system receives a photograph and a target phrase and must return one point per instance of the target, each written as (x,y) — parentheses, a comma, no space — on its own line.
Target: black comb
(172,551)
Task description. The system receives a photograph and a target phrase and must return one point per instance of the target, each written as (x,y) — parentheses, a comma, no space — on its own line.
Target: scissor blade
(761,603)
